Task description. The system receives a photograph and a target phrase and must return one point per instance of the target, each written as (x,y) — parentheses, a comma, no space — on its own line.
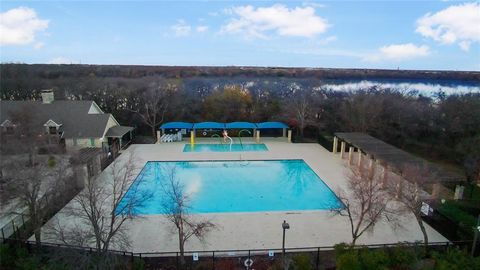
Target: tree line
(436,125)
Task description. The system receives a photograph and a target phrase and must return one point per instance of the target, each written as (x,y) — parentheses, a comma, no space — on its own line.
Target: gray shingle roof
(72,114)
(118,131)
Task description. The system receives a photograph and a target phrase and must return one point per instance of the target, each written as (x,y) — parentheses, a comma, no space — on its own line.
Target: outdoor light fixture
(285,226)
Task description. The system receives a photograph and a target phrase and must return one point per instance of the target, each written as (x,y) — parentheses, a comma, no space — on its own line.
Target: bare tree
(27,138)
(31,182)
(410,194)
(34,189)
(153,103)
(365,201)
(176,209)
(299,104)
(103,207)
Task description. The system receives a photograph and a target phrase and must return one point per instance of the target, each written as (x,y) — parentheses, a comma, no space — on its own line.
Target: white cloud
(38,45)
(309,3)
(202,28)
(455,24)
(399,52)
(59,61)
(18,26)
(327,40)
(181,29)
(258,22)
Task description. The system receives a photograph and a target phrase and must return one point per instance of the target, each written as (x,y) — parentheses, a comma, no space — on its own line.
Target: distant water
(425,87)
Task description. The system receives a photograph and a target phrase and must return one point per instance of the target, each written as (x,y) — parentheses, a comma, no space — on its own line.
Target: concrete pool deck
(257,230)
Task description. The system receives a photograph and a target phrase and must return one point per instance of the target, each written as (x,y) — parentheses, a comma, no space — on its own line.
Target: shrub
(28,263)
(455,259)
(138,264)
(374,259)
(452,211)
(301,262)
(349,261)
(51,162)
(402,257)
(341,248)
(7,255)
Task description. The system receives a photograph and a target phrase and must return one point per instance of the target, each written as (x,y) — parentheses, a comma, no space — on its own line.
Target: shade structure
(117,131)
(265,125)
(175,125)
(213,125)
(240,125)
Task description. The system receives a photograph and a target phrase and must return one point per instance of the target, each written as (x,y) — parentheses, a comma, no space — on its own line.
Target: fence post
(213,260)
(475,236)
(318,258)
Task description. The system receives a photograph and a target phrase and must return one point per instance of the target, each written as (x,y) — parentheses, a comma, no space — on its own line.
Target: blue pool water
(236,147)
(236,186)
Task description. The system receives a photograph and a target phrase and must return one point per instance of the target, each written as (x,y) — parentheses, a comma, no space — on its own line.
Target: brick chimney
(47,96)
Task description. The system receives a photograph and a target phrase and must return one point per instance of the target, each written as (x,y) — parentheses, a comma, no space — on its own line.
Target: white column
(289,139)
(258,136)
(159,135)
(350,155)
(335,145)
(342,149)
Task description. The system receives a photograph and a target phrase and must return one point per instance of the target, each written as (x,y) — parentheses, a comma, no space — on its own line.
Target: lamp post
(285,226)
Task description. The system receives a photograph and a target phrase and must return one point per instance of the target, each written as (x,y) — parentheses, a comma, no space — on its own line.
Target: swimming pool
(237,186)
(236,147)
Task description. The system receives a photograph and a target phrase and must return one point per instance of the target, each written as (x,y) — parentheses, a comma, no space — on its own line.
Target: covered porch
(118,137)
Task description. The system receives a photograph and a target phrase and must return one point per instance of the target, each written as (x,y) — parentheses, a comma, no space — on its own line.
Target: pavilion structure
(254,128)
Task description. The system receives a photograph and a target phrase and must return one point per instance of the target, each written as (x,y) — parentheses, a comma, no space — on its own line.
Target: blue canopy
(214,125)
(265,125)
(176,125)
(240,125)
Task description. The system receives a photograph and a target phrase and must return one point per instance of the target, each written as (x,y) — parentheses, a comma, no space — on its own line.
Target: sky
(433,35)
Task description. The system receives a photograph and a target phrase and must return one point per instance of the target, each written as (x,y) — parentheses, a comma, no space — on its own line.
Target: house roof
(118,131)
(71,114)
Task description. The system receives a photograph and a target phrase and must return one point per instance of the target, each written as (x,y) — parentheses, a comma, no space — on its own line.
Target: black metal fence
(259,259)
(19,227)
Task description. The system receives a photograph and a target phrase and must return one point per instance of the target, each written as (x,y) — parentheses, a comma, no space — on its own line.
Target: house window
(52,130)
(9,130)
(92,141)
(75,143)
